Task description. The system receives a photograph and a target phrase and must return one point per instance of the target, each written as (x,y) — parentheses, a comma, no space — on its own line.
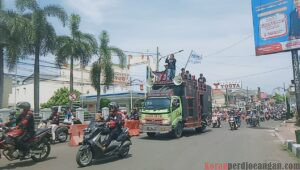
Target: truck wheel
(200,129)
(151,134)
(177,132)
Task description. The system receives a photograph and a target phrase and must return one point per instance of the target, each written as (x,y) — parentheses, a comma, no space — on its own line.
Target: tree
(278,98)
(41,36)
(79,46)
(60,97)
(104,102)
(104,64)
(12,26)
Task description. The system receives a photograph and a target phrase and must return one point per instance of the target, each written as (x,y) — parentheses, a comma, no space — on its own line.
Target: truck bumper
(155,128)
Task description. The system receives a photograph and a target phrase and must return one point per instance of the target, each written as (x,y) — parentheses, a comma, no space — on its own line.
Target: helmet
(12,112)
(113,105)
(24,105)
(54,109)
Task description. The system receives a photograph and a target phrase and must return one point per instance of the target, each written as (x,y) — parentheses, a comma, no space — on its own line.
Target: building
(24,90)
(7,90)
(124,99)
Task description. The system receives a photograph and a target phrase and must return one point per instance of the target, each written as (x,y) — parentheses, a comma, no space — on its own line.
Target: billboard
(230,85)
(276,25)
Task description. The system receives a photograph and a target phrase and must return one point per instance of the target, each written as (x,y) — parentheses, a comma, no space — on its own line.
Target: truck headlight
(166,121)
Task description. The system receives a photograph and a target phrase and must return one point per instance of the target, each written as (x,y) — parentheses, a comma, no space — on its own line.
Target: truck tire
(200,129)
(151,134)
(177,131)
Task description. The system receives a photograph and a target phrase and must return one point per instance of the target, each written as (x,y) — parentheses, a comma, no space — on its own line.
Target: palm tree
(104,64)
(12,26)
(41,36)
(79,46)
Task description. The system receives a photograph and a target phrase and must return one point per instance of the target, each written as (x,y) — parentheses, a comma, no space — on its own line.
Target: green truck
(169,108)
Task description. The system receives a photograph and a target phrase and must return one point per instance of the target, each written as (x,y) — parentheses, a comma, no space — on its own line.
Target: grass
(291,154)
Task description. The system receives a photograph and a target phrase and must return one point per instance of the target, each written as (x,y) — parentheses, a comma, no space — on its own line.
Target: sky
(220,30)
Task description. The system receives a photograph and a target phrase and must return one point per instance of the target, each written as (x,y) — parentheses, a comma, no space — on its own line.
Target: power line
(230,46)
(256,74)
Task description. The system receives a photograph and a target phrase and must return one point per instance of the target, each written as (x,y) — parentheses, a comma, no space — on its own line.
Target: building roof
(120,95)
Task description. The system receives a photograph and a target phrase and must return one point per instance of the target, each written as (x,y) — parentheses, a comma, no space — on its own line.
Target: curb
(291,145)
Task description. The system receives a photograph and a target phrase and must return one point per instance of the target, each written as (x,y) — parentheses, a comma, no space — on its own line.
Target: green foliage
(104,65)
(60,97)
(79,46)
(278,98)
(104,102)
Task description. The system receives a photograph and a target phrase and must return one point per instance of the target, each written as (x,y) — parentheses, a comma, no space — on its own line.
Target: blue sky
(204,26)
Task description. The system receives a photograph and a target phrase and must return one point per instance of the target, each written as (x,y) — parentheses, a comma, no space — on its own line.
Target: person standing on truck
(164,74)
(183,75)
(201,79)
(171,61)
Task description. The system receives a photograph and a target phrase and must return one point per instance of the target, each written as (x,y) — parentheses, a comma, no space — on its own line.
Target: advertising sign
(227,85)
(276,25)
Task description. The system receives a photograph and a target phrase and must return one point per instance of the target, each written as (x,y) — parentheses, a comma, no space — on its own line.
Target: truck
(170,107)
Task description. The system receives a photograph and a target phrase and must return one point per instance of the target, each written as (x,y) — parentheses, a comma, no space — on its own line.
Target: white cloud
(91,10)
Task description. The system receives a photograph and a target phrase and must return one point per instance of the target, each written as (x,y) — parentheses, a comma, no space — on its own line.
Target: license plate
(151,128)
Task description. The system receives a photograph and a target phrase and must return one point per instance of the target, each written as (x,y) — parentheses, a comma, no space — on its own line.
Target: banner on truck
(276,25)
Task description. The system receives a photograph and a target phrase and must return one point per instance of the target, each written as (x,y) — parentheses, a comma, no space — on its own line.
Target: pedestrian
(171,61)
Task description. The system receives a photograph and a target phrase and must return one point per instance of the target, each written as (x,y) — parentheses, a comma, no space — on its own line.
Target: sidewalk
(286,134)
(286,131)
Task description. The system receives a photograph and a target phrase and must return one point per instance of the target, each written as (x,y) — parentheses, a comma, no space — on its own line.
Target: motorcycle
(268,116)
(232,123)
(254,121)
(61,133)
(92,147)
(215,122)
(39,144)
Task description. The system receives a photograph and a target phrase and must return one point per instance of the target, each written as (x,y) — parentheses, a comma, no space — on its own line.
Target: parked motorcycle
(92,148)
(39,144)
(215,122)
(61,132)
(232,123)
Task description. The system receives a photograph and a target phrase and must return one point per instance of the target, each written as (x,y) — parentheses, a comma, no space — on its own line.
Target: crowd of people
(276,112)
(170,70)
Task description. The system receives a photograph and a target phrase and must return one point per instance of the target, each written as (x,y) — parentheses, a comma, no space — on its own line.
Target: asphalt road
(216,145)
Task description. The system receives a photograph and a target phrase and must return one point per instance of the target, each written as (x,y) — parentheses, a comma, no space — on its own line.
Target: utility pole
(295,61)
(157,59)
(16,84)
(130,95)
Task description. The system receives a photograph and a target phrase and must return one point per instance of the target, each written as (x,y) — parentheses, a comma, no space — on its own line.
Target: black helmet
(54,109)
(24,105)
(113,105)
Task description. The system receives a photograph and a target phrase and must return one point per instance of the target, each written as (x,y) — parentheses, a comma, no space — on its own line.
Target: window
(175,104)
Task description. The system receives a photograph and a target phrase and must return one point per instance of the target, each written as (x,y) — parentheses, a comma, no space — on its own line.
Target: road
(218,145)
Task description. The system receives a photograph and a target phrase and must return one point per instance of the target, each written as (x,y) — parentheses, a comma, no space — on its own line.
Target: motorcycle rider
(54,120)
(12,119)
(25,121)
(114,122)
(134,114)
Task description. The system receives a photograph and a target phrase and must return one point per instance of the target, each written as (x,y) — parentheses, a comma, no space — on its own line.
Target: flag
(195,58)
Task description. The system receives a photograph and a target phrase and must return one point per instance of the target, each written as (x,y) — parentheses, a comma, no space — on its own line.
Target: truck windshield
(157,103)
